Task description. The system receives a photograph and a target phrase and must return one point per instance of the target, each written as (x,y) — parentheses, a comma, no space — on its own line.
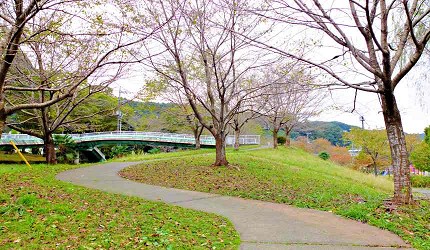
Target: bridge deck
(128,136)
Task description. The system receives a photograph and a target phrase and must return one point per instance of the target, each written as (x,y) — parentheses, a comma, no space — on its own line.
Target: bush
(154,151)
(324,155)
(420,156)
(321,145)
(281,140)
(67,148)
(420,181)
(340,155)
(118,151)
(14,132)
(302,143)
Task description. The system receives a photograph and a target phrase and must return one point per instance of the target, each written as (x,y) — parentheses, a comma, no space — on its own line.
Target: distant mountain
(145,108)
(332,131)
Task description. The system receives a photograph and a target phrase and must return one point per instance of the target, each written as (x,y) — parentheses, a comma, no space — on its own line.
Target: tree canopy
(420,156)
(373,144)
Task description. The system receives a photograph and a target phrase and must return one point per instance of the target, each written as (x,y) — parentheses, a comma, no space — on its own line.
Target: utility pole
(362,122)
(118,112)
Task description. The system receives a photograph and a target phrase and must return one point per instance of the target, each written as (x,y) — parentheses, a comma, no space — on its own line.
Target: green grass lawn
(291,176)
(15,158)
(179,153)
(37,211)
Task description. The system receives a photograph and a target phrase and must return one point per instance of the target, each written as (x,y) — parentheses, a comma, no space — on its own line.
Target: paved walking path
(424,191)
(261,225)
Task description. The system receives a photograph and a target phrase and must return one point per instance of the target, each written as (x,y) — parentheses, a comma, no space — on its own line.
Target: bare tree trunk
(197,133)
(275,138)
(287,138)
(375,169)
(50,155)
(221,158)
(197,138)
(198,145)
(236,139)
(399,153)
(2,117)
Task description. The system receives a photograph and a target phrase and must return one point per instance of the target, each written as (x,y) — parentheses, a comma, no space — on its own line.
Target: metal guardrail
(244,140)
(139,136)
(24,139)
(20,139)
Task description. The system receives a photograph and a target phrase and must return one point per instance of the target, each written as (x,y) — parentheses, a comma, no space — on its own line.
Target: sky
(411,97)
(414,111)
(414,108)
(411,93)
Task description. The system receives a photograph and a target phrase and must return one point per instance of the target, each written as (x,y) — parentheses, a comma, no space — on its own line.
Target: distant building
(354,151)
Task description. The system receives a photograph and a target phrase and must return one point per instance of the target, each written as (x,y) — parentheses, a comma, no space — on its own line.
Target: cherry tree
(292,99)
(205,59)
(373,45)
(55,56)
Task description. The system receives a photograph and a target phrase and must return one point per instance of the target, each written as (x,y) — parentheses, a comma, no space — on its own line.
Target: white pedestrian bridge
(130,137)
(88,143)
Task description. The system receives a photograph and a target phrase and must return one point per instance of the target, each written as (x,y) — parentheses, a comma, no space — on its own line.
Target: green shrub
(118,151)
(420,181)
(420,156)
(324,155)
(281,140)
(67,148)
(154,151)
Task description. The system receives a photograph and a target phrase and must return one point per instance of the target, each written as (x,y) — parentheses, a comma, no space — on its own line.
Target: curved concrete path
(425,192)
(261,225)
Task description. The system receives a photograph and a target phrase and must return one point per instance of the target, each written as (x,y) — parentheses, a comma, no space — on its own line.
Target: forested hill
(145,108)
(331,131)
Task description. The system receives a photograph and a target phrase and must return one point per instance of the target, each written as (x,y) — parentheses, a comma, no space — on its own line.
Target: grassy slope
(16,158)
(37,211)
(294,177)
(180,153)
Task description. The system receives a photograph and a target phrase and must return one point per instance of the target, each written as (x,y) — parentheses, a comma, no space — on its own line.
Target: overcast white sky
(411,98)
(412,101)
(413,106)
(415,115)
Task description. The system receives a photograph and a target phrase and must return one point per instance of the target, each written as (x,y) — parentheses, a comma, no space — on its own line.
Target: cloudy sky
(411,99)
(411,93)
(338,105)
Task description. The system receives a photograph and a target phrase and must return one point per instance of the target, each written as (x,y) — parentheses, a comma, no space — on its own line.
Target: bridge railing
(23,139)
(148,136)
(244,140)
(20,139)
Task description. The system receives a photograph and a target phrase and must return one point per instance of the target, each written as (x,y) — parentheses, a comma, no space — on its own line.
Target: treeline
(331,131)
